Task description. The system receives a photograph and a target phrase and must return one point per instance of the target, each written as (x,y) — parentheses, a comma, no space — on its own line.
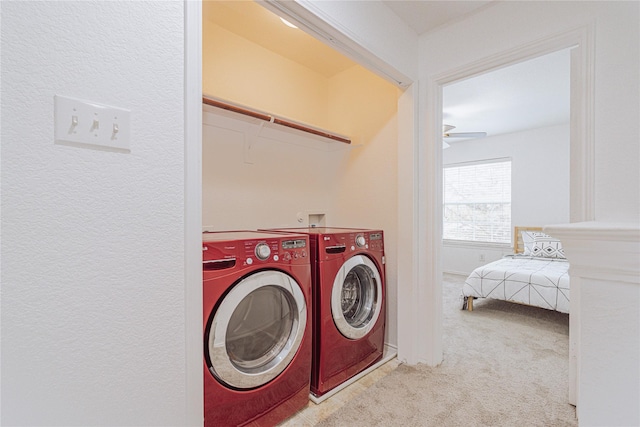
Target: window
(477,201)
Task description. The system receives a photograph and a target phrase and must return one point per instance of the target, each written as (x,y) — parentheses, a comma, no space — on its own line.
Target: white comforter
(541,282)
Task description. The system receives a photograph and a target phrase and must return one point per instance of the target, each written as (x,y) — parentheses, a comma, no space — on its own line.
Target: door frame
(582,161)
(194,345)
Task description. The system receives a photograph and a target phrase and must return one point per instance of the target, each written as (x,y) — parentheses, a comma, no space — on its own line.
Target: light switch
(88,122)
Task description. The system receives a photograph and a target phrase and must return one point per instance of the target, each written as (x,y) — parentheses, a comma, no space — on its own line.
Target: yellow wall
(360,103)
(240,71)
(365,107)
(355,102)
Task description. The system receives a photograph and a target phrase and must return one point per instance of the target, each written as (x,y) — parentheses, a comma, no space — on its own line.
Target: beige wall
(243,72)
(260,177)
(365,107)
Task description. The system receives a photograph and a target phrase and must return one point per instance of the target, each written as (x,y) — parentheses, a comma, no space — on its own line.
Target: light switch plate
(87,122)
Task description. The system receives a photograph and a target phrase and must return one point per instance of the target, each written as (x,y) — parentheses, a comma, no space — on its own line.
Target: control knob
(263,251)
(361,241)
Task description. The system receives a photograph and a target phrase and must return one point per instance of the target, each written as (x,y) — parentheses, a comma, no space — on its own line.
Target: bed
(537,274)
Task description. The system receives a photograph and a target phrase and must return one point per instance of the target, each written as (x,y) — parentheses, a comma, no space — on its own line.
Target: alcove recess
(255,66)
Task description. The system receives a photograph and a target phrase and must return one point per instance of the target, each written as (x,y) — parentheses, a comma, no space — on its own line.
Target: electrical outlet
(87,122)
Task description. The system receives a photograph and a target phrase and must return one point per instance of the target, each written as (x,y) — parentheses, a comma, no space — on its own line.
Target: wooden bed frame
(518,244)
(518,248)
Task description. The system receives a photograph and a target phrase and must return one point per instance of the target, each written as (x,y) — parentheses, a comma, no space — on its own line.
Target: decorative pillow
(550,249)
(529,238)
(538,244)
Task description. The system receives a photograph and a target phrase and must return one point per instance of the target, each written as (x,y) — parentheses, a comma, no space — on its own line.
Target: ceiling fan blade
(465,135)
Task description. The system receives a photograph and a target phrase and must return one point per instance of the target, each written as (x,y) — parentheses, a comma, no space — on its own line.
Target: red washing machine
(348,303)
(257,327)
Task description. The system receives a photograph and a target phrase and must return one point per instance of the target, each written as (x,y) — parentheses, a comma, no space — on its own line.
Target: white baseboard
(459,273)
(389,352)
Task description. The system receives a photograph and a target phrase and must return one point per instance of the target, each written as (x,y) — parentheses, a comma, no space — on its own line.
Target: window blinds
(477,201)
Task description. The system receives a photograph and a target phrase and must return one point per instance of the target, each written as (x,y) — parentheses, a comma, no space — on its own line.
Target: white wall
(283,175)
(373,27)
(93,295)
(539,185)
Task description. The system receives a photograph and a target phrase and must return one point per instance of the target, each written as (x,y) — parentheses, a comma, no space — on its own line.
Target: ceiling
(424,16)
(528,95)
(255,23)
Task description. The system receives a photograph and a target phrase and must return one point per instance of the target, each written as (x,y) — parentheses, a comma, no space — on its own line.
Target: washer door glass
(256,330)
(356,297)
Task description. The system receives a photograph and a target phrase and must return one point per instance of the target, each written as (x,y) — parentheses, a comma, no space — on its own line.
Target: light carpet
(504,364)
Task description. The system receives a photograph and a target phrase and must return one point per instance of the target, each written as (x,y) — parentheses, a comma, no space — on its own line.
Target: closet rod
(272,119)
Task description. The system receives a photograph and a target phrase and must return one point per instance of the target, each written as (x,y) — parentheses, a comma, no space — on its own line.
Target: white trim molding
(604,324)
(582,187)
(324,27)
(412,318)
(582,42)
(602,251)
(194,347)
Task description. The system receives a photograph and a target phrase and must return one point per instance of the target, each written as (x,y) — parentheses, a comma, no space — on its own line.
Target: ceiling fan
(447,134)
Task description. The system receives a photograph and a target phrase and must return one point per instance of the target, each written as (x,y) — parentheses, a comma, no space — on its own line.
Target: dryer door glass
(256,330)
(356,297)
(260,327)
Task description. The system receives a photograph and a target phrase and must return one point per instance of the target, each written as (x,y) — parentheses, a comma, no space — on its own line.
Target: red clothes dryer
(348,302)
(257,327)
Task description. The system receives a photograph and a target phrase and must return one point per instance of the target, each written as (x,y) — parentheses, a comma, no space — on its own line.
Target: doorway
(581,173)
(511,145)
(520,115)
